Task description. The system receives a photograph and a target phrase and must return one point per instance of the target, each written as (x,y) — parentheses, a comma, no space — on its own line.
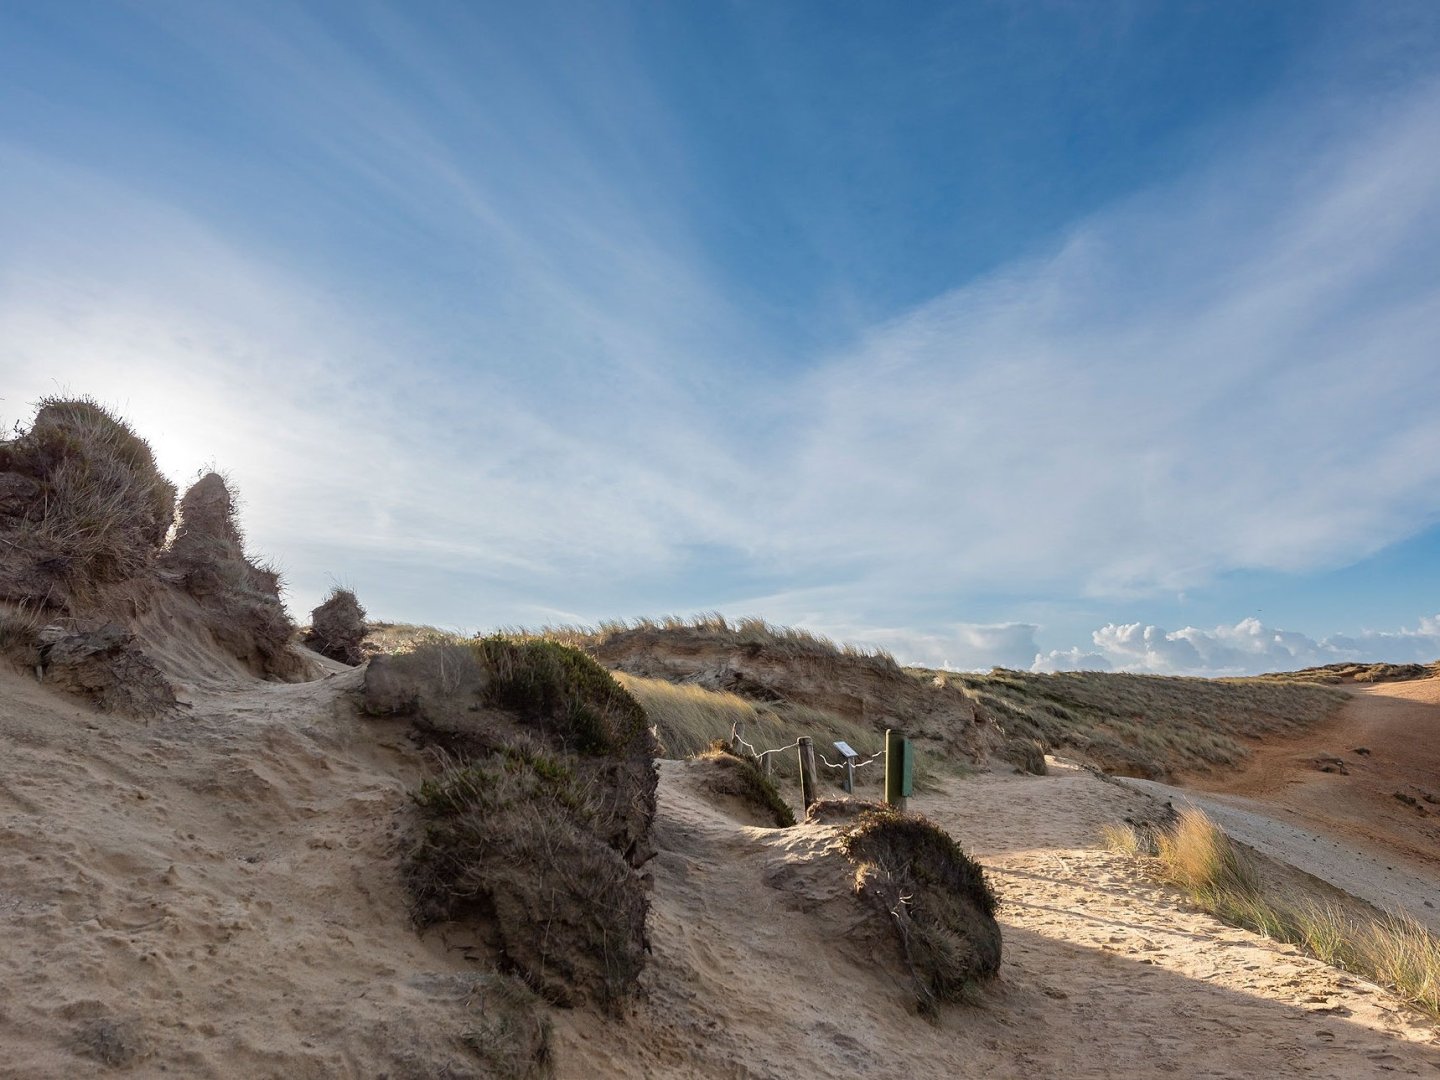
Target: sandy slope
(1347,827)
(214,895)
(217,895)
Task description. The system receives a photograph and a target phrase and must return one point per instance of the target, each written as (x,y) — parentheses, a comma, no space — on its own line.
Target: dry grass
(688,719)
(1340,674)
(93,506)
(715,628)
(1394,951)
(510,1032)
(19,626)
(1150,726)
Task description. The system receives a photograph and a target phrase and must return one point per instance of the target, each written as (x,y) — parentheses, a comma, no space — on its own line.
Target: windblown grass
(1145,725)
(688,719)
(99,508)
(715,628)
(1394,951)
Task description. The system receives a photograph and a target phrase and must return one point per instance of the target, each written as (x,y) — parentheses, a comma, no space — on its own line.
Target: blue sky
(1030,334)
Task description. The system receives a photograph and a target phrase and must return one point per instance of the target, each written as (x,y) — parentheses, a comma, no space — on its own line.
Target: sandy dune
(217,895)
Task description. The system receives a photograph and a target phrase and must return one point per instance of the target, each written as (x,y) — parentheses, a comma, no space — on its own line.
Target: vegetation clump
(509,1033)
(82,505)
(563,690)
(337,627)
(535,827)
(738,776)
(936,898)
(1196,855)
(240,597)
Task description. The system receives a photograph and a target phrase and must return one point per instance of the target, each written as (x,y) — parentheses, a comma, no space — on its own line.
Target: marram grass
(1195,854)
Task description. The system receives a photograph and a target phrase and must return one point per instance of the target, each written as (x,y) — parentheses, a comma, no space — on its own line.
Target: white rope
(736,737)
(858,764)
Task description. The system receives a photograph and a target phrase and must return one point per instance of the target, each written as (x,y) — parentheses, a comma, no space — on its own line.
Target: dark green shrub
(511,841)
(537,824)
(563,689)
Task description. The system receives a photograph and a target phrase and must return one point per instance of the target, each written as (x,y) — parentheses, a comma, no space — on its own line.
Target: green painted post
(899,770)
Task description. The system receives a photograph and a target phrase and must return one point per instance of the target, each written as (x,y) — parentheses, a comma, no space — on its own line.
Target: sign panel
(844,748)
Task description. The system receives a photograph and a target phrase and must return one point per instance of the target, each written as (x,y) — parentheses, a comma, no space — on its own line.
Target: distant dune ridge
(411,854)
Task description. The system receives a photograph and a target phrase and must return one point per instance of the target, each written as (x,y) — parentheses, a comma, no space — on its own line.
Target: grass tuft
(86,505)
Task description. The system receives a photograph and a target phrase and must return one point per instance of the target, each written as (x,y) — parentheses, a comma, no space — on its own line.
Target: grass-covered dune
(1149,726)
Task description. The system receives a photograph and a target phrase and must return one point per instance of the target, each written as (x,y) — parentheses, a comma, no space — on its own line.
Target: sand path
(757,968)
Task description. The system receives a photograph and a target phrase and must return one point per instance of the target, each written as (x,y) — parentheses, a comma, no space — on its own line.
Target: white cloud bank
(1247,648)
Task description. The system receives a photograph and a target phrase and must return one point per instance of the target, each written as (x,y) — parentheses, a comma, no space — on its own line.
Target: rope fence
(897,753)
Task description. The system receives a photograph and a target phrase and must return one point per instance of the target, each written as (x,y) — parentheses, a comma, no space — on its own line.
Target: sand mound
(735,785)
(242,598)
(535,828)
(84,515)
(770,665)
(218,893)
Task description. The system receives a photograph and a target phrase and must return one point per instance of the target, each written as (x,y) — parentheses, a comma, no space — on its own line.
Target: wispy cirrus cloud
(494,353)
(1231,372)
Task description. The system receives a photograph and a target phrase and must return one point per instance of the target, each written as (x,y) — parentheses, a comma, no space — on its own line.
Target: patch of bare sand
(214,895)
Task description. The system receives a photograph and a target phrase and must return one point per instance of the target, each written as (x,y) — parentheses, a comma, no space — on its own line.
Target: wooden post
(737,737)
(899,770)
(766,764)
(808,784)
